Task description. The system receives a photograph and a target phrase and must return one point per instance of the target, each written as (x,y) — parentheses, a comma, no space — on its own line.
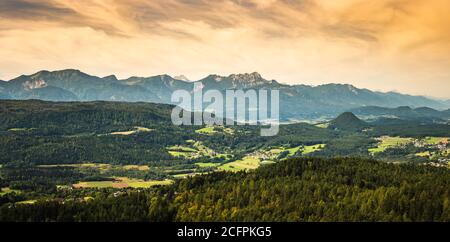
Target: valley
(86,152)
(254,113)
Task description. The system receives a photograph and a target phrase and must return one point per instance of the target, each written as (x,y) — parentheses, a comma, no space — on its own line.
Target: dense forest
(300,189)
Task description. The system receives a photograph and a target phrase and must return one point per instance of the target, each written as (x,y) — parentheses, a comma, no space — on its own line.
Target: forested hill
(293,190)
(80,116)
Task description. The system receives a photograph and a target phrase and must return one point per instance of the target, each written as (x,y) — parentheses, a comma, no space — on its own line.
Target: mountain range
(403,113)
(297,102)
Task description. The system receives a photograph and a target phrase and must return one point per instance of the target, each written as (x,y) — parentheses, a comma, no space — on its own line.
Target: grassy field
(447,152)
(181,148)
(206,130)
(180,154)
(229,131)
(186,175)
(323,125)
(267,162)
(121,182)
(312,148)
(27,202)
(435,140)
(99,166)
(204,165)
(247,163)
(194,149)
(257,158)
(386,142)
(20,129)
(423,154)
(6,190)
(276,151)
(130,132)
(182,151)
(81,165)
(215,129)
(136,167)
(292,151)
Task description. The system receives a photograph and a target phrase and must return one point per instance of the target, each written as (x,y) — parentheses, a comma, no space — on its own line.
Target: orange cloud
(385,44)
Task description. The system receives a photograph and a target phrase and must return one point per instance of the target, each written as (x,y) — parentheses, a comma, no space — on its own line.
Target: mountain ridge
(296,101)
(402,114)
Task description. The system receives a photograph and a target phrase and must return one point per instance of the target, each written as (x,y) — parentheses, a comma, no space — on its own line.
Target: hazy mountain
(324,101)
(4,93)
(331,99)
(347,121)
(76,85)
(405,113)
(447,102)
(237,81)
(49,93)
(161,86)
(296,101)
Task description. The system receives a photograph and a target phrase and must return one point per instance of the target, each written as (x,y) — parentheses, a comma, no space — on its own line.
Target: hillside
(64,157)
(347,121)
(73,117)
(304,190)
(405,113)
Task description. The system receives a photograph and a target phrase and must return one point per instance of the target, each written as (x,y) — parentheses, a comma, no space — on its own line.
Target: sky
(385,45)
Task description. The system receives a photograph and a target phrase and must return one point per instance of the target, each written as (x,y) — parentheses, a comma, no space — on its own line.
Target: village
(438,150)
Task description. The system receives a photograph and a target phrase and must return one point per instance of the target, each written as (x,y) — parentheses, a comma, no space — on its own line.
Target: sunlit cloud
(401,45)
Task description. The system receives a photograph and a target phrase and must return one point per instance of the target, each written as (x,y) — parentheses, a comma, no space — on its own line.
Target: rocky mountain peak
(253,77)
(182,78)
(34,84)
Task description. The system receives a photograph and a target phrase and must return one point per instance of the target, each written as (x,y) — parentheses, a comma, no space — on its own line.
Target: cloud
(383,44)
(32,14)
(26,9)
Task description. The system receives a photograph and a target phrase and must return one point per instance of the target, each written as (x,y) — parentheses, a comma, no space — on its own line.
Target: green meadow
(246,163)
(7,190)
(205,165)
(387,142)
(435,140)
(312,148)
(121,182)
(206,130)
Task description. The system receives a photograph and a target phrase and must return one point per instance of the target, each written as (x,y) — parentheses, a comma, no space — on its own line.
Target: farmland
(302,150)
(99,166)
(121,182)
(206,130)
(435,140)
(6,190)
(387,142)
(194,149)
(312,148)
(209,164)
(134,131)
(247,163)
(403,149)
(268,156)
(210,130)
